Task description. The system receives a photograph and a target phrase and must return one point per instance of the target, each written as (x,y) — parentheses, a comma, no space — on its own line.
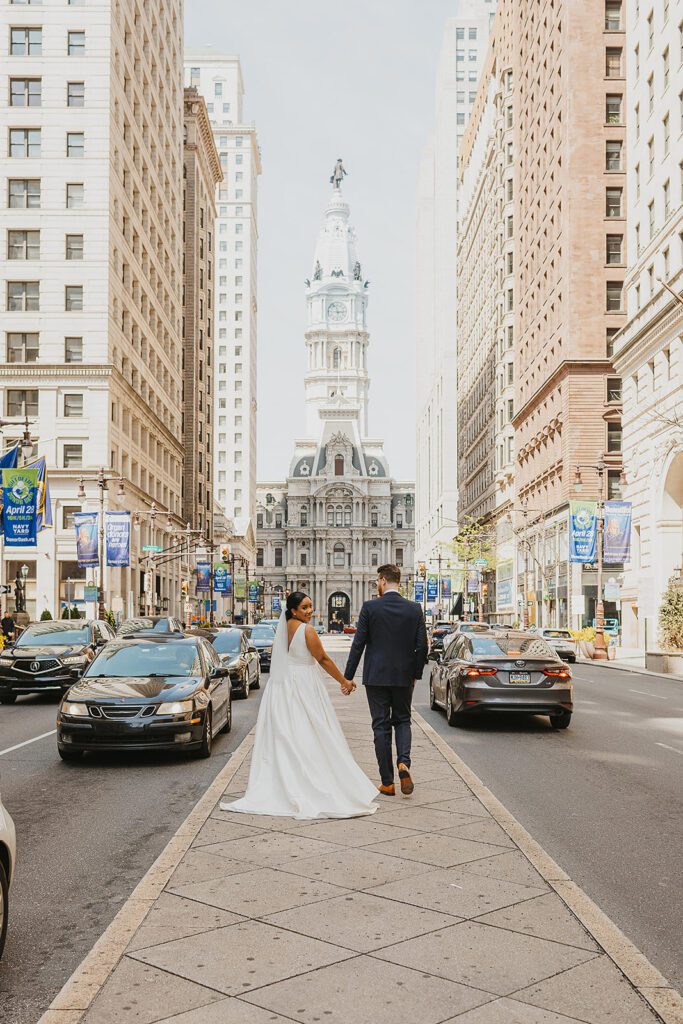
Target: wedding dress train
(301,765)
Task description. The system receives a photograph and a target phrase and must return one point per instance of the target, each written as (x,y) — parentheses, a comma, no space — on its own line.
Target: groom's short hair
(390,572)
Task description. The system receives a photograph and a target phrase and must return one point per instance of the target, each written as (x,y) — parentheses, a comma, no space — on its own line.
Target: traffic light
(421,568)
(225,555)
(185,587)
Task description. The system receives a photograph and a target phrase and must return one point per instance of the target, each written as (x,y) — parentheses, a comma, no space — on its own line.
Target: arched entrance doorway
(669,528)
(338,610)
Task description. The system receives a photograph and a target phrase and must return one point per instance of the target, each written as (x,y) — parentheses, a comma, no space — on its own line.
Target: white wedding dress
(301,765)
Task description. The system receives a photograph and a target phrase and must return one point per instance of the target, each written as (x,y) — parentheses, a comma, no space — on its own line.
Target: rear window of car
(263,633)
(227,641)
(497,645)
(557,634)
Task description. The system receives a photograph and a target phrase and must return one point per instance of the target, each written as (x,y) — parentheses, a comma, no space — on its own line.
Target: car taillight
(557,673)
(473,672)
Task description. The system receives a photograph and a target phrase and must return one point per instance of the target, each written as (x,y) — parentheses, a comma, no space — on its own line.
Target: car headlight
(76,710)
(175,707)
(75,659)
(6,661)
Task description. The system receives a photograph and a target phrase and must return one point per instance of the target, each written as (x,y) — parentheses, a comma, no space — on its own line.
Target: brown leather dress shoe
(387,790)
(407,786)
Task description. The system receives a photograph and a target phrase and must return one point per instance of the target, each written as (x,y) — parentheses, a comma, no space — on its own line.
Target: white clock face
(336,311)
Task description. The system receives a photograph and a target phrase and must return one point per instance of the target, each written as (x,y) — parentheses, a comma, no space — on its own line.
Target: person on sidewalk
(392,633)
(8,627)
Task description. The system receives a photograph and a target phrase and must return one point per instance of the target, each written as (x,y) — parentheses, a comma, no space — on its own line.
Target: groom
(392,633)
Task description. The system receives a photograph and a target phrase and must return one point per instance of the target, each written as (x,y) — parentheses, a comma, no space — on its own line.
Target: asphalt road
(86,835)
(604,797)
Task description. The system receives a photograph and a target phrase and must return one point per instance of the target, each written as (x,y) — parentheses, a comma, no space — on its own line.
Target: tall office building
(219,80)
(461,60)
(648,356)
(91,251)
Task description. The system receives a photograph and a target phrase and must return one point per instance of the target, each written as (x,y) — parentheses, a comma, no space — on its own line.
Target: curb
(78,993)
(653,988)
(630,668)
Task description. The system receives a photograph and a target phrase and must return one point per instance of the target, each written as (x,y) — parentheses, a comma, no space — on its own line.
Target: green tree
(110,618)
(476,539)
(45,615)
(671,616)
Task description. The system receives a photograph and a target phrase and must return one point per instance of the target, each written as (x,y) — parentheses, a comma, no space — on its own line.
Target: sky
(356,79)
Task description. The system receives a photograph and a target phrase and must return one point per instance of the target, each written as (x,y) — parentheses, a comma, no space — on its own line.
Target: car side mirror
(75,673)
(219,672)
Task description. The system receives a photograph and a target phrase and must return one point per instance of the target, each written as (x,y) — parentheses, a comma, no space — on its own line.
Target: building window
(615,491)
(72,456)
(75,145)
(613,62)
(613,150)
(68,513)
(399,521)
(614,389)
(73,405)
(23,245)
(398,556)
(303,517)
(75,196)
(21,402)
(23,193)
(23,296)
(24,143)
(303,558)
(339,465)
(651,29)
(666,134)
(25,92)
(651,217)
(75,46)
(22,348)
(73,350)
(278,520)
(651,155)
(278,557)
(613,202)
(614,247)
(374,519)
(74,247)
(614,290)
(665,68)
(610,335)
(259,558)
(666,192)
(339,556)
(26,42)
(259,521)
(613,106)
(613,15)
(614,437)
(75,94)
(73,297)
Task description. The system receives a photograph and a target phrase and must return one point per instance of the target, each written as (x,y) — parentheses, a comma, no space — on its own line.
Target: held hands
(347,687)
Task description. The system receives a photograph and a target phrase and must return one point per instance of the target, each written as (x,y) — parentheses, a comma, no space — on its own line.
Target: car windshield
(228,641)
(511,645)
(474,627)
(55,634)
(263,633)
(144,625)
(557,634)
(146,659)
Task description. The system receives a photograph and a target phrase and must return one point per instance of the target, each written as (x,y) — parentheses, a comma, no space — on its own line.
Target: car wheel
(204,749)
(432,697)
(452,716)
(8,698)
(228,721)
(561,721)
(244,692)
(69,755)
(4,906)
(257,679)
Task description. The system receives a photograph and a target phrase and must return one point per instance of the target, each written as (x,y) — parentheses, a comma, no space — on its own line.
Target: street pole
(187,595)
(600,645)
(525,606)
(102,484)
(248,601)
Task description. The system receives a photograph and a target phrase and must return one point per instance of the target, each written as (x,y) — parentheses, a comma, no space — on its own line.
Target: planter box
(663,661)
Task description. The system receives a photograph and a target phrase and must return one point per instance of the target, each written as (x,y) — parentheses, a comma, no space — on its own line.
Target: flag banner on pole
(19,495)
(44,502)
(419,590)
(583,531)
(276,603)
(240,588)
(203,584)
(117,538)
(617,546)
(253,591)
(446,588)
(221,578)
(473,581)
(8,460)
(432,588)
(87,541)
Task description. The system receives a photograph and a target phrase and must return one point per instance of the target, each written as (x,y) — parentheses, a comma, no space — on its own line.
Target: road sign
(578,604)
(152,547)
(5,588)
(89,593)
(612,589)
(481,563)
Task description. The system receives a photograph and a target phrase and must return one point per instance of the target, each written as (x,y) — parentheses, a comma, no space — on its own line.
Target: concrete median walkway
(438,908)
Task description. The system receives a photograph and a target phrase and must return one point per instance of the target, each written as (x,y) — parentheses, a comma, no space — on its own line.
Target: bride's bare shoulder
(312,639)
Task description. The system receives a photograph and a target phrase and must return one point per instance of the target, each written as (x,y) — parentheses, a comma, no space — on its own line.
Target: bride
(301,765)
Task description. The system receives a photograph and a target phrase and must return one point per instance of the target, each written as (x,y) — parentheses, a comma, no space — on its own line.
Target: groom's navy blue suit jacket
(392,633)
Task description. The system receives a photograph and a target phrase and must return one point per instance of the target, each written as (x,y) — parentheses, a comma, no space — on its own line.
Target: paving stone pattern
(425,912)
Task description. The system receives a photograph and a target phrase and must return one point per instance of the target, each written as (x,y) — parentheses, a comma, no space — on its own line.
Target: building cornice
(569,367)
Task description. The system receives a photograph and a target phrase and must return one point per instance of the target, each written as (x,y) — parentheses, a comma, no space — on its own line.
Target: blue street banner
(473,581)
(419,590)
(253,591)
(432,588)
(87,541)
(446,588)
(221,577)
(617,546)
(8,459)
(117,538)
(44,501)
(19,495)
(583,531)
(276,604)
(203,584)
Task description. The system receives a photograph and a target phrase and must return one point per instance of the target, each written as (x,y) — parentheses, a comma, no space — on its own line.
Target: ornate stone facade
(338,515)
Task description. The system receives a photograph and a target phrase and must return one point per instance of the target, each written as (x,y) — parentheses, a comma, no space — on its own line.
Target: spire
(335,254)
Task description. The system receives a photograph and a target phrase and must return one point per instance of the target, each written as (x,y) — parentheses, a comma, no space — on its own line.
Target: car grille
(24,664)
(111,711)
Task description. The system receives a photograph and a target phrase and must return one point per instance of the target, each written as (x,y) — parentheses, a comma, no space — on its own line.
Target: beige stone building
(201,174)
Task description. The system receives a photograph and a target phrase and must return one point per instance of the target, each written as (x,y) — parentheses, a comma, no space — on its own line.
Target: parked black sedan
(48,655)
(262,638)
(156,693)
(512,671)
(235,650)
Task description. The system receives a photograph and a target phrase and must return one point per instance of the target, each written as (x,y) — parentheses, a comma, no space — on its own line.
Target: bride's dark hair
(293,602)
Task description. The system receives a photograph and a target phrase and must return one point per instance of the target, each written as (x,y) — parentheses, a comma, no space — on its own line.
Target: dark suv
(48,655)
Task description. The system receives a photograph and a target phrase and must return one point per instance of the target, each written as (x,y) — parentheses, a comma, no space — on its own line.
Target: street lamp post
(600,651)
(102,481)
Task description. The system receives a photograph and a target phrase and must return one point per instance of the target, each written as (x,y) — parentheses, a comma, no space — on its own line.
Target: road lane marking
(667,747)
(644,693)
(26,742)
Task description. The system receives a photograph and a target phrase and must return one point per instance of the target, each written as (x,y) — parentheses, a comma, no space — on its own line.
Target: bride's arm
(325,661)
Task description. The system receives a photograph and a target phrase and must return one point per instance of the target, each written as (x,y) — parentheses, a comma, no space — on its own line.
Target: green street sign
(481,562)
(152,547)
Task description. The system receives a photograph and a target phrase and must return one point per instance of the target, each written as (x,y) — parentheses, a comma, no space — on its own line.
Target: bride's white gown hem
(301,764)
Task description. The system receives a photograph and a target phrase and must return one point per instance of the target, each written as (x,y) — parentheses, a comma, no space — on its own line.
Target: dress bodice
(298,648)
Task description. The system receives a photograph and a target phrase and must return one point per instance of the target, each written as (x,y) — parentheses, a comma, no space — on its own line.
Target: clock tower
(336,335)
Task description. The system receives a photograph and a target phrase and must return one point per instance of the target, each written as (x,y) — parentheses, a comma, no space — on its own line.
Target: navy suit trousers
(390,709)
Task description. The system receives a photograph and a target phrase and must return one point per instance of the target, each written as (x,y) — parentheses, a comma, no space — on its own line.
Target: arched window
(339,465)
(339,555)
(330,515)
(336,358)
(338,518)
(347,515)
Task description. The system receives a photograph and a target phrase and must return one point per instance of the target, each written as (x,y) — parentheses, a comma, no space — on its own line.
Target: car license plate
(520,678)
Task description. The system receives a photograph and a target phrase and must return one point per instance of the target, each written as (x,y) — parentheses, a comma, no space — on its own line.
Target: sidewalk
(630,665)
(437,909)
